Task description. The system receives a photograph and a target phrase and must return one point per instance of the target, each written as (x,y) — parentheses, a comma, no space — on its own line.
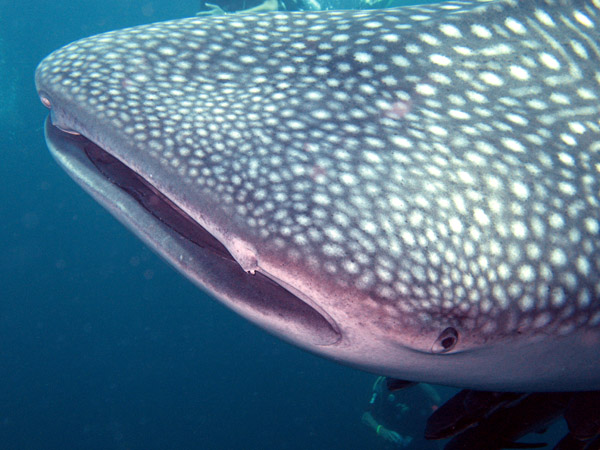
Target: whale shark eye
(446,341)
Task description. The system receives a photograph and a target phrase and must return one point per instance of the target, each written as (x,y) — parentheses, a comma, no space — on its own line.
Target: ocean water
(104,346)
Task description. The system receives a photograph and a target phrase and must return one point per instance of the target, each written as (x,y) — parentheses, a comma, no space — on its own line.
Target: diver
(397,412)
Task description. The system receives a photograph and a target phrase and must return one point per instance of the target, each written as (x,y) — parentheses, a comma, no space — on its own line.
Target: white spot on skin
(450,31)
(141,77)
(568,139)
(591,225)
(167,51)
(400,61)
(440,78)
(465,177)
(373,24)
(526,303)
(372,157)
(560,99)
(321,199)
(438,131)
(518,72)
(557,297)
(558,257)
(408,238)
(344,67)
(513,253)
(520,190)
(397,203)
(340,37)
(513,144)
(413,49)
(567,188)
(425,89)
(369,227)
(517,119)
(583,265)
(481,217)
(526,273)
(430,39)
(401,141)
(519,230)
(583,19)
(584,299)
(247,59)
(363,57)
(461,50)
(515,26)
(351,267)
(296,124)
(334,234)
(458,114)
(440,60)
(321,114)
(556,221)
(389,80)
(544,18)
(549,61)
(500,296)
(367,89)
(455,225)
(577,127)
(533,251)
(481,32)
(491,78)
(390,37)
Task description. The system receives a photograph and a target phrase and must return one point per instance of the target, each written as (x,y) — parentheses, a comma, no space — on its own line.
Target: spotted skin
(404,172)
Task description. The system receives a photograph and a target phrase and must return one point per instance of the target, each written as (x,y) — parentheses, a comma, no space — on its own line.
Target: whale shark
(412,191)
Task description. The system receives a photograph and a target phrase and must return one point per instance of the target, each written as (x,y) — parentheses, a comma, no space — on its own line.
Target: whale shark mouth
(267,297)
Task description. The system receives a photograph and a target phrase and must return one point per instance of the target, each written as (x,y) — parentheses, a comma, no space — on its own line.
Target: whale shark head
(411,191)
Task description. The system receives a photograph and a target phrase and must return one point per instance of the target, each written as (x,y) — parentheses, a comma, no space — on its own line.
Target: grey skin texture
(410,191)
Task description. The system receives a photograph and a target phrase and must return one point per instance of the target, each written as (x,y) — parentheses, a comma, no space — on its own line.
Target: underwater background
(102,344)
